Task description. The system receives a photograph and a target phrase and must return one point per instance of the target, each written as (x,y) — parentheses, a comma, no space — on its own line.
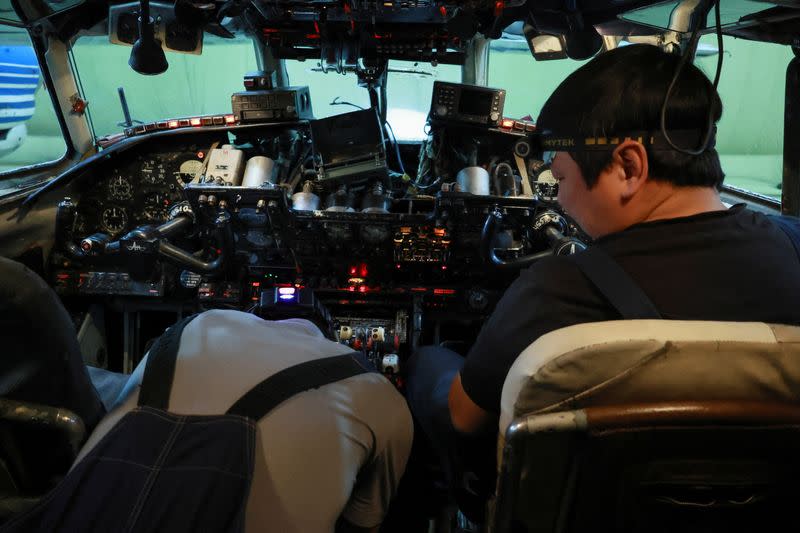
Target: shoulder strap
(160,369)
(615,284)
(791,228)
(279,387)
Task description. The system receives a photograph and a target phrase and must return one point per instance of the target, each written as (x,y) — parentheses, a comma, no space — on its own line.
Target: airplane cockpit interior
(372,166)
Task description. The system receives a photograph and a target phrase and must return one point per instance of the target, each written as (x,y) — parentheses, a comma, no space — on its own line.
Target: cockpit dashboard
(295,215)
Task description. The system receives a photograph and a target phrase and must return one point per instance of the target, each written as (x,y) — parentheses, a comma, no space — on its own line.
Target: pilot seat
(652,425)
(48,404)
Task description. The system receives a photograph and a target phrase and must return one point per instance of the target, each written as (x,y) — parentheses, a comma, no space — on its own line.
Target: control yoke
(550,223)
(145,242)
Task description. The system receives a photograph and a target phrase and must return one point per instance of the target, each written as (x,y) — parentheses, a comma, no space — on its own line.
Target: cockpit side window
(752,88)
(30,133)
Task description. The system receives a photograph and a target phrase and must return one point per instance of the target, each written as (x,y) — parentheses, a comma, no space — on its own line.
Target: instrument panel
(139,189)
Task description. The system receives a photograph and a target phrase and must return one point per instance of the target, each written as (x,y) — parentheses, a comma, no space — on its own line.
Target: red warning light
(362,288)
(201,155)
(353,270)
(442,292)
(362,270)
(508,123)
(499,6)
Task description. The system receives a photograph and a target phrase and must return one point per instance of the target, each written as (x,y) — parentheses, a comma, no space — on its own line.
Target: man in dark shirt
(652,208)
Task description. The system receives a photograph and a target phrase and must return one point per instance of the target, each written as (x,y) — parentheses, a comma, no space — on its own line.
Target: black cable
(336,101)
(689,49)
(396,147)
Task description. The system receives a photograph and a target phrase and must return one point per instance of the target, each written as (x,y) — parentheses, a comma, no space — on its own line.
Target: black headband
(654,140)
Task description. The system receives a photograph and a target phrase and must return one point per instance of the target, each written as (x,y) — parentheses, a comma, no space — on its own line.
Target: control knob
(477,299)
(494,116)
(440,110)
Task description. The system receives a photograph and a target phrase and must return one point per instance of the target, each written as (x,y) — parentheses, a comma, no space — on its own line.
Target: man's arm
(466,415)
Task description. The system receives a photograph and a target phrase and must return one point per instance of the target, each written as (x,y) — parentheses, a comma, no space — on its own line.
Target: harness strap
(159,373)
(616,285)
(279,387)
(160,369)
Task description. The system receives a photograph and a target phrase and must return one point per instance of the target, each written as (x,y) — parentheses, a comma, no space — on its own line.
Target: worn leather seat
(40,365)
(651,425)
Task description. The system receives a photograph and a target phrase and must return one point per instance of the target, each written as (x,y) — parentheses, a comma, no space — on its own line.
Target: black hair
(622,90)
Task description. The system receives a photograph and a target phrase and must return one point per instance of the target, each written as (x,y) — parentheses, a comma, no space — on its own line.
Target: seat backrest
(690,467)
(635,361)
(40,364)
(577,370)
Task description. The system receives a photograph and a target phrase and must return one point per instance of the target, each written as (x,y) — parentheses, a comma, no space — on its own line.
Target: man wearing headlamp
(642,179)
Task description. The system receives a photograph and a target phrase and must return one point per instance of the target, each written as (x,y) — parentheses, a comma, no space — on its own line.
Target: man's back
(722,265)
(339,449)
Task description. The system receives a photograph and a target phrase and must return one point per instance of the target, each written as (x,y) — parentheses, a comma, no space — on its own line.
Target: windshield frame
(70,153)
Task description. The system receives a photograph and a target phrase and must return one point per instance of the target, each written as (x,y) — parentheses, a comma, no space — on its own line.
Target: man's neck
(676,202)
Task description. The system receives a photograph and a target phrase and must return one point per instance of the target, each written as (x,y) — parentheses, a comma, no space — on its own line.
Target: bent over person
(326,456)
(650,205)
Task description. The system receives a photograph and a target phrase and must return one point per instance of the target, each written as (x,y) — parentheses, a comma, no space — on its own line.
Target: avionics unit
(456,102)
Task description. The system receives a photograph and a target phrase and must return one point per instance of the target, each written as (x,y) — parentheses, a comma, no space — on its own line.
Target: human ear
(632,158)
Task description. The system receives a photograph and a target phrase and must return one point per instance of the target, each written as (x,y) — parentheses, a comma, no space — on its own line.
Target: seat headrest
(627,361)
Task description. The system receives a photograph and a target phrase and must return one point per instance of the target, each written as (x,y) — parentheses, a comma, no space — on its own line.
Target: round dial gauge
(546,186)
(156,205)
(189,170)
(114,219)
(120,188)
(153,171)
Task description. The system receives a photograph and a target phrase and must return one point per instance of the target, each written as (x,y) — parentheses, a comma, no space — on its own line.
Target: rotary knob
(477,299)
(440,110)
(494,116)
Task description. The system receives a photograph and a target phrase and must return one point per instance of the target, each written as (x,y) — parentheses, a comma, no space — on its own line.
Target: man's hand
(465,414)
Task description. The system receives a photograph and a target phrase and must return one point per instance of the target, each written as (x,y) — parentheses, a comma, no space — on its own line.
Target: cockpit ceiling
(365,28)
(44,8)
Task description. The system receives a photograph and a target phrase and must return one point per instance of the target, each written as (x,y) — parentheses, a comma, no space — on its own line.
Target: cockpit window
(750,133)
(408,92)
(528,82)
(7,13)
(752,87)
(192,85)
(731,12)
(29,130)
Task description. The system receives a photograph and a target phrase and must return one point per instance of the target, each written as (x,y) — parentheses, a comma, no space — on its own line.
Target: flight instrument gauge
(189,171)
(153,171)
(546,186)
(114,219)
(155,206)
(120,188)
